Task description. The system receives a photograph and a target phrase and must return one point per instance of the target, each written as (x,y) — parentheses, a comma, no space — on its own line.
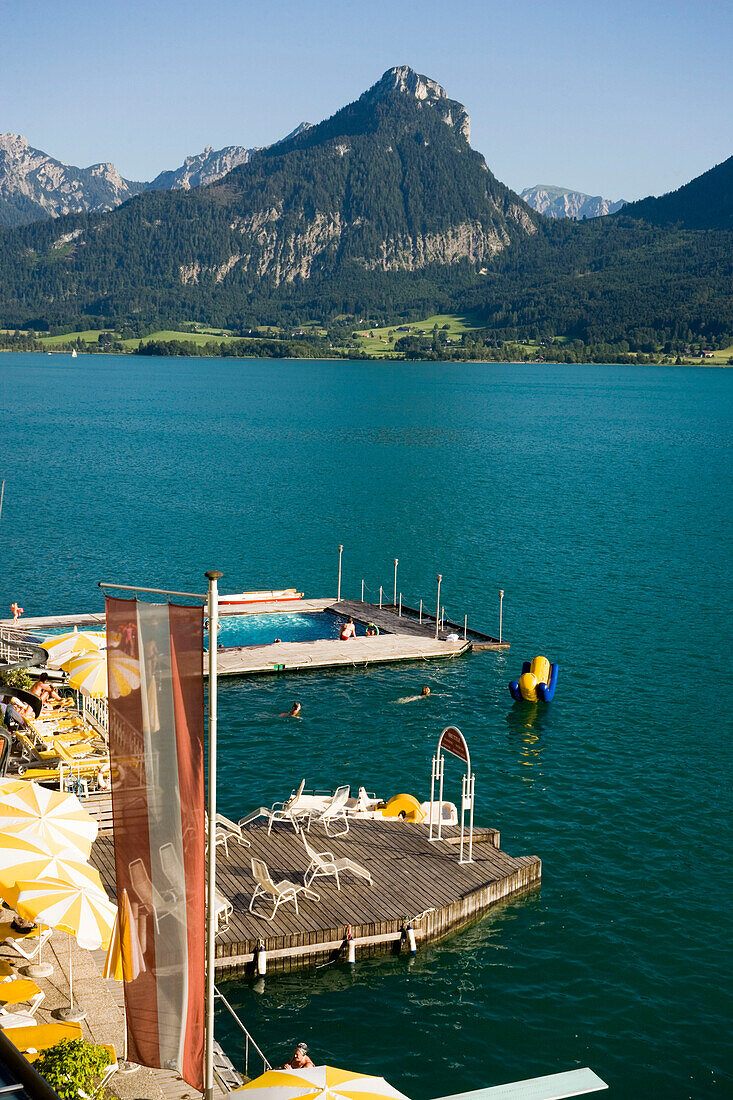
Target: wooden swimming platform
(402,637)
(411,876)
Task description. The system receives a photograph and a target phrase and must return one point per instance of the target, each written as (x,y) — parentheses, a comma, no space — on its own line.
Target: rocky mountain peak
(401,79)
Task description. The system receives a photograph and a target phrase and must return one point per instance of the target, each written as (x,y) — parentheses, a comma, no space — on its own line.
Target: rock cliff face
(202,168)
(35,186)
(559,202)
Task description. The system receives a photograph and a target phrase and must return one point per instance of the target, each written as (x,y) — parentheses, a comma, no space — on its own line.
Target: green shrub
(17,678)
(71,1065)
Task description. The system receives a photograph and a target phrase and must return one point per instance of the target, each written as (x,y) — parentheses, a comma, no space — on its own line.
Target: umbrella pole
(71,1013)
(39,969)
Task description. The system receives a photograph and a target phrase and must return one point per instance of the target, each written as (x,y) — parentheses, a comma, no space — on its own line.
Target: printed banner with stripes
(156,735)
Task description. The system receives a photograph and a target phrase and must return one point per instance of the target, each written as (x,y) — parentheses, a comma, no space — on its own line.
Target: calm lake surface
(599,499)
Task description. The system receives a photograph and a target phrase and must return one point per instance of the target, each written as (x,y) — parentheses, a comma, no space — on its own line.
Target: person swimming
(295,710)
(413,698)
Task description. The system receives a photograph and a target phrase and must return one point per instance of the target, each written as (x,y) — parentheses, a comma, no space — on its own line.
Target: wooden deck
(400,638)
(410,876)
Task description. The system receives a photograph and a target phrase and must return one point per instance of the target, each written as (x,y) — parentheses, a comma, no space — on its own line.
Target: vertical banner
(156,742)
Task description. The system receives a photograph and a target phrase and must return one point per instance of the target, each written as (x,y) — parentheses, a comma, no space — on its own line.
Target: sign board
(453,741)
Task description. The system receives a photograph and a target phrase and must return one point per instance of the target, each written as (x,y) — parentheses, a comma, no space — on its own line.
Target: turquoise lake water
(599,499)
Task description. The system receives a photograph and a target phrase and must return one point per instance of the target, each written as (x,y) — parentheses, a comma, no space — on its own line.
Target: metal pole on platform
(362,590)
(394,598)
(380,597)
(437,606)
(465,628)
(501,609)
(338,594)
(213,576)
(420,610)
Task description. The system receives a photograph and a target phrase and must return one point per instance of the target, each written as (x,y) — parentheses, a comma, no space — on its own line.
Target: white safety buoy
(261,958)
(350,947)
(412,942)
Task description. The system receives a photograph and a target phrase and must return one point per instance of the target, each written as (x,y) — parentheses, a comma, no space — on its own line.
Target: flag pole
(213,599)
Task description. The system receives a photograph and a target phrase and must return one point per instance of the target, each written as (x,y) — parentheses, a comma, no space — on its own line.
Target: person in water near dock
(348,630)
(413,698)
(294,711)
(300,1059)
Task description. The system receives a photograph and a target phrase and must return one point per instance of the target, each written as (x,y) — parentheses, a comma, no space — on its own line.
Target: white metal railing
(249,1042)
(95,712)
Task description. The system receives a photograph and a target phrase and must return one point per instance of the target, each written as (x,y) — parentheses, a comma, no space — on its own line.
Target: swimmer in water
(413,698)
(294,711)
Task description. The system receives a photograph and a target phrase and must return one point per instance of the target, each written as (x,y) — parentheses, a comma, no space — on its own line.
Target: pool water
(287,626)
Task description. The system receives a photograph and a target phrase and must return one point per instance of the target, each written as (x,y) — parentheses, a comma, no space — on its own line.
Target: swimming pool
(285,626)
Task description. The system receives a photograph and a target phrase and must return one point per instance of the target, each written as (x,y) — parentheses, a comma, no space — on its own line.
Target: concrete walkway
(102,1001)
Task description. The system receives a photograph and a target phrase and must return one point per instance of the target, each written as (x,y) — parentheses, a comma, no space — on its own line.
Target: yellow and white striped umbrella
(88,674)
(22,859)
(318,1083)
(8,785)
(84,911)
(125,960)
(55,818)
(61,647)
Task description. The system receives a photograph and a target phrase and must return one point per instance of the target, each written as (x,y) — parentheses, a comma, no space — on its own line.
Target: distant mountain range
(561,202)
(35,186)
(383,210)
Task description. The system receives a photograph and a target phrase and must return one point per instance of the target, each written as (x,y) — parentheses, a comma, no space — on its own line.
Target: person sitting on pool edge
(348,630)
(300,1059)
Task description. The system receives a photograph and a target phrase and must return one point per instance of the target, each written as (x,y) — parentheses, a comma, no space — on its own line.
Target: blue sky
(620,99)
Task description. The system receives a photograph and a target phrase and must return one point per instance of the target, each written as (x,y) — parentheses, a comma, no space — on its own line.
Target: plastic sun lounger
(334,812)
(278,892)
(32,1039)
(36,936)
(325,864)
(18,991)
(288,810)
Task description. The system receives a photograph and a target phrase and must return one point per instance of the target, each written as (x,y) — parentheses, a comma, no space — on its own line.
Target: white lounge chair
(148,896)
(17,1019)
(228,831)
(326,864)
(285,890)
(290,810)
(22,943)
(225,832)
(173,871)
(334,813)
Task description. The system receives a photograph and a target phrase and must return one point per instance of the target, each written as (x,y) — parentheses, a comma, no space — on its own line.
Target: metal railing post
(400,605)
(501,609)
(421,611)
(394,599)
(380,597)
(465,628)
(362,590)
(338,594)
(437,607)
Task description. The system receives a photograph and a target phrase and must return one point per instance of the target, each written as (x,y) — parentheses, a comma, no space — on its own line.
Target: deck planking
(410,875)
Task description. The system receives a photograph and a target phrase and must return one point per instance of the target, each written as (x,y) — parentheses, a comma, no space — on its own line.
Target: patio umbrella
(318,1083)
(88,673)
(55,817)
(25,858)
(61,646)
(125,960)
(83,911)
